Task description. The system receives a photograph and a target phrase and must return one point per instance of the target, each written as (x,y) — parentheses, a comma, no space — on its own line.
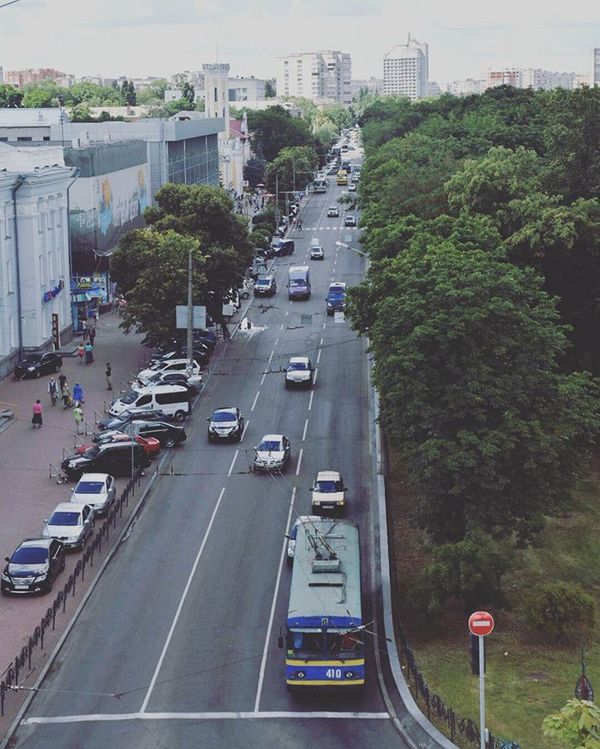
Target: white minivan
(172,400)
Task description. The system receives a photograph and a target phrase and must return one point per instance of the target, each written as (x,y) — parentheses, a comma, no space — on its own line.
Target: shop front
(89,295)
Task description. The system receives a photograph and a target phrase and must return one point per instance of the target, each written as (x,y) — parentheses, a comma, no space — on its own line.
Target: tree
(154,93)
(188,94)
(151,269)
(273,129)
(41,95)
(562,610)
(577,725)
(466,348)
(270,89)
(254,171)
(128,92)
(93,95)
(10,96)
(294,169)
(81,113)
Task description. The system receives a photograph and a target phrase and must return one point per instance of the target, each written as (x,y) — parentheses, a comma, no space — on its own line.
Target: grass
(528,676)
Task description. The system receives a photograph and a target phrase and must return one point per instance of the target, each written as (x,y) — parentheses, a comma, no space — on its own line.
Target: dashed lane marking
(305,428)
(230,471)
(299,461)
(255,399)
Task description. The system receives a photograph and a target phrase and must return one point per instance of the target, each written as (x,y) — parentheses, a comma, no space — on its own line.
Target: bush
(563,610)
(260,238)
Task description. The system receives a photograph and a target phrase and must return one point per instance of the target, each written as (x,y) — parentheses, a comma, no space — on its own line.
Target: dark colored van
(299,282)
(282,247)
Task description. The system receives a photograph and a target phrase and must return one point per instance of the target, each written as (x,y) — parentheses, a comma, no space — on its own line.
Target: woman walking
(77,393)
(80,352)
(89,353)
(36,419)
(66,395)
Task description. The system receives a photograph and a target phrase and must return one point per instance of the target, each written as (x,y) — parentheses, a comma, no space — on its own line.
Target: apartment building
(406,70)
(325,75)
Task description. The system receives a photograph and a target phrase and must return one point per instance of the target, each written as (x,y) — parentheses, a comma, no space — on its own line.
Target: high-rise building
(503,77)
(322,75)
(596,70)
(406,70)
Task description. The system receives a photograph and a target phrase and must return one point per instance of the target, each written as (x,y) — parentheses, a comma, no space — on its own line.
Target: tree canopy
(274,129)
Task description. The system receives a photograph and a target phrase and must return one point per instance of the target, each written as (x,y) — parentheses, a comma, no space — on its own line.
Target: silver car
(272,453)
(97,490)
(70,522)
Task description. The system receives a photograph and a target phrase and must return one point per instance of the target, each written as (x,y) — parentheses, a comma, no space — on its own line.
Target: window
(51,275)
(40,213)
(41,269)
(7,220)
(24,137)
(175,397)
(10,287)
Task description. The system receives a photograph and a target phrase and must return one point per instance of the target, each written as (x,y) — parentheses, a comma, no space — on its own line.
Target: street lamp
(348,247)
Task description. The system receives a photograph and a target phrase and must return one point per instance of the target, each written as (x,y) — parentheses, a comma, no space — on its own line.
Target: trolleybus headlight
(300,674)
(349,674)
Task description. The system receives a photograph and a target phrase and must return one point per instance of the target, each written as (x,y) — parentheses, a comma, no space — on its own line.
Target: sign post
(481,624)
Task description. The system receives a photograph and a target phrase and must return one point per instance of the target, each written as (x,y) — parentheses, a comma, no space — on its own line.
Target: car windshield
(263,282)
(91,452)
(30,555)
(224,416)
(297,282)
(32,358)
(89,487)
(298,365)
(337,294)
(269,446)
(329,486)
(64,518)
(130,397)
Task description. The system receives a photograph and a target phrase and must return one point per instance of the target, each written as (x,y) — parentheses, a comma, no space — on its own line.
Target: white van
(316,249)
(172,400)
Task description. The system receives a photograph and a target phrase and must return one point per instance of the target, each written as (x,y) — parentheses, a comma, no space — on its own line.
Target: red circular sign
(481,623)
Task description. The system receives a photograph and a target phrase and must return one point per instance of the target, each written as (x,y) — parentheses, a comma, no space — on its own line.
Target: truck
(299,282)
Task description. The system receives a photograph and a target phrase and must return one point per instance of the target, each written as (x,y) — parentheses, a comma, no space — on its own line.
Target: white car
(172,365)
(97,490)
(70,522)
(352,187)
(316,252)
(291,547)
(299,372)
(272,453)
(328,492)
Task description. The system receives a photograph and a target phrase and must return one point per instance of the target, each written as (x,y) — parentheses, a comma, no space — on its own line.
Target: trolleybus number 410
(333,673)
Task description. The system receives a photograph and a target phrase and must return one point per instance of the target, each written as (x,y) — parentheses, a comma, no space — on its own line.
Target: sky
(154,37)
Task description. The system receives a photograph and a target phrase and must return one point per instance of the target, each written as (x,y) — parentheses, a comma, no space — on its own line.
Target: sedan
(97,490)
(200,351)
(299,372)
(150,444)
(174,378)
(194,374)
(168,435)
(350,220)
(265,286)
(333,211)
(328,492)
(36,365)
(352,187)
(34,566)
(132,414)
(72,524)
(226,423)
(272,453)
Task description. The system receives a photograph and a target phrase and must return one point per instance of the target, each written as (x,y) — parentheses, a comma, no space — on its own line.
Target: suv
(349,220)
(117,458)
(34,566)
(336,297)
(299,372)
(265,286)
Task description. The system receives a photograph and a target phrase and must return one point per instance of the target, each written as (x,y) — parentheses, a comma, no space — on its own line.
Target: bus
(323,632)
(342,177)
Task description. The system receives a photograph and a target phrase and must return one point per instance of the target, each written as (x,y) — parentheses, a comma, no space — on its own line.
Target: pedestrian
(78,416)
(92,334)
(89,353)
(108,373)
(80,352)
(225,330)
(85,330)
(52,390)
(66,395)
(78,393)
(36,419)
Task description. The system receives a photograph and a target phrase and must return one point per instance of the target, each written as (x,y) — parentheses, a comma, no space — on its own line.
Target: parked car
(333,211)
(172,365)
(36,365)
(200,351)
(168,435)
(132,414)
(173,378)
(265,286)
(150,444)
(328,492)
(299,372)
(120,458)
(352,187)
(226,423)
(33,566)
(98,490)
(272,453)
(71,523)
(349,220)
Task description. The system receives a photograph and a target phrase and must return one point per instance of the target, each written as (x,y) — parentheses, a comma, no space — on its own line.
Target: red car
(150,444)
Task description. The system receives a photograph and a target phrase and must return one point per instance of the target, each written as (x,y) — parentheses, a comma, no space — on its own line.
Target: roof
(299,359)
(271,437)
(93,477)
(328,476)
(69,506)
(36,542)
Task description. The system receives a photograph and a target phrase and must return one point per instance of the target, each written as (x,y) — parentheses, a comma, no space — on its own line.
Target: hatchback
(34,566)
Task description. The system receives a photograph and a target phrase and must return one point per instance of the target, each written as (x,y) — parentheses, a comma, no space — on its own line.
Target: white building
(406,70)
(466,87)
(246,89)
(34,250)
(596,70)
(325,75)
(371,85)
(545,80)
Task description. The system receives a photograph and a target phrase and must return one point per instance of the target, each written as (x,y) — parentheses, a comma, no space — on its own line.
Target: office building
(325,75)
(503,77)
(406,70)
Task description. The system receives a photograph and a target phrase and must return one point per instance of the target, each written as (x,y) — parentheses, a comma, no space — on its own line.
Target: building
(546,80)
(503,77)
(596,70)
(433,89)
(34,251)
(319,76)
(406,70)
(20,78)
(466,87)
(24,125)
(370,85)
(246,89)
(583,79)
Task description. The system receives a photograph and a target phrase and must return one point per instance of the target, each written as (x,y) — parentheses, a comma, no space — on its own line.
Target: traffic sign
(481,623)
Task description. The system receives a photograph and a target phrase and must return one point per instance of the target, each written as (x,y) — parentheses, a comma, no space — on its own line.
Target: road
(177,647)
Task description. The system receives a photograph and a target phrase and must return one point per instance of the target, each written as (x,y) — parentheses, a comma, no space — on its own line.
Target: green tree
(154,93)
(81,113)
(270,89)
(576,725)
(466,348)
(273,129)
(151,268)
(128,92)
(189,94)
(10,96)
(562,610)
(293,167)
(254,171)
(41,95)
(93,95)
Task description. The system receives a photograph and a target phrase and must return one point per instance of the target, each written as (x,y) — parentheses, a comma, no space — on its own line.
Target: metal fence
(10,678)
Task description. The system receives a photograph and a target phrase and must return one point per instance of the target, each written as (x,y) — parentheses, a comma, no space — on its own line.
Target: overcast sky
(150,37)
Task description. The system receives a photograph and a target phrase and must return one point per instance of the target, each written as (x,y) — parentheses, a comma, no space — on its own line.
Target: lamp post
(353,249)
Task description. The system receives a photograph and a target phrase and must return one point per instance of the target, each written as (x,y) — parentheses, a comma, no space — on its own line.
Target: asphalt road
(177,647)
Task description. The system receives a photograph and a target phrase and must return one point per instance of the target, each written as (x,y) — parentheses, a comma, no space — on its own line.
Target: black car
(115,458)
(132,414)
(34,566)
(200,335)
(265,286)
(169,435)
(36,365)
(173,378)
(282,247)
(226,423)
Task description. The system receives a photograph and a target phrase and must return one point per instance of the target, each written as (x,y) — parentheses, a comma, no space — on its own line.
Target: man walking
(92,334)
(62,380)
(78,416)
(52,390)
(108,373)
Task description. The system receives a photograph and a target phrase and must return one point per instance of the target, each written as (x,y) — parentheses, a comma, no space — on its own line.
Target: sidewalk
(27,494)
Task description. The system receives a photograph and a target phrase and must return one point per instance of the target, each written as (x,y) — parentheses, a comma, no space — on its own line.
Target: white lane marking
(318,356)
(310,400)
(287,313)
(315,377)
(282,326)
(264,715)
(272,355)
(275,344)
(263,663)
(321,342)
(245,428)
(299,461)
(262,379)
(181,603)
(233,463)
(324,325)
(255,399)
(305,428)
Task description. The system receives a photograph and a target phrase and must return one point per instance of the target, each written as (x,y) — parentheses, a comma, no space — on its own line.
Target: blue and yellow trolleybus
(324,628)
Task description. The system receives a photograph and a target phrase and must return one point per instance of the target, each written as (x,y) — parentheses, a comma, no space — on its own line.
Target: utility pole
(190,313)
(277,198)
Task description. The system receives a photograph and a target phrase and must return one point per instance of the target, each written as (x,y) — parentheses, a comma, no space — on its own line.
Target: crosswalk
(326,228)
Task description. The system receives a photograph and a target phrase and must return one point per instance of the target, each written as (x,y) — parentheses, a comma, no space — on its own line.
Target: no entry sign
(481,623)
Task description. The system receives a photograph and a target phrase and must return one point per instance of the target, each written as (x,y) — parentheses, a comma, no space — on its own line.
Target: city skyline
(463,42)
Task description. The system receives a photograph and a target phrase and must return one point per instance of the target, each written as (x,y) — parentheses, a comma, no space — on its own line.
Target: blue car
(336,297)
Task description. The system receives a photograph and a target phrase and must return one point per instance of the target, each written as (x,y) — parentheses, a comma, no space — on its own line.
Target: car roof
(228,409)
(93,477)
(334,206)
(266,277)
(69,507)
(337,285)
(32,542)
(298,359)
(328,476)
(271,437)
